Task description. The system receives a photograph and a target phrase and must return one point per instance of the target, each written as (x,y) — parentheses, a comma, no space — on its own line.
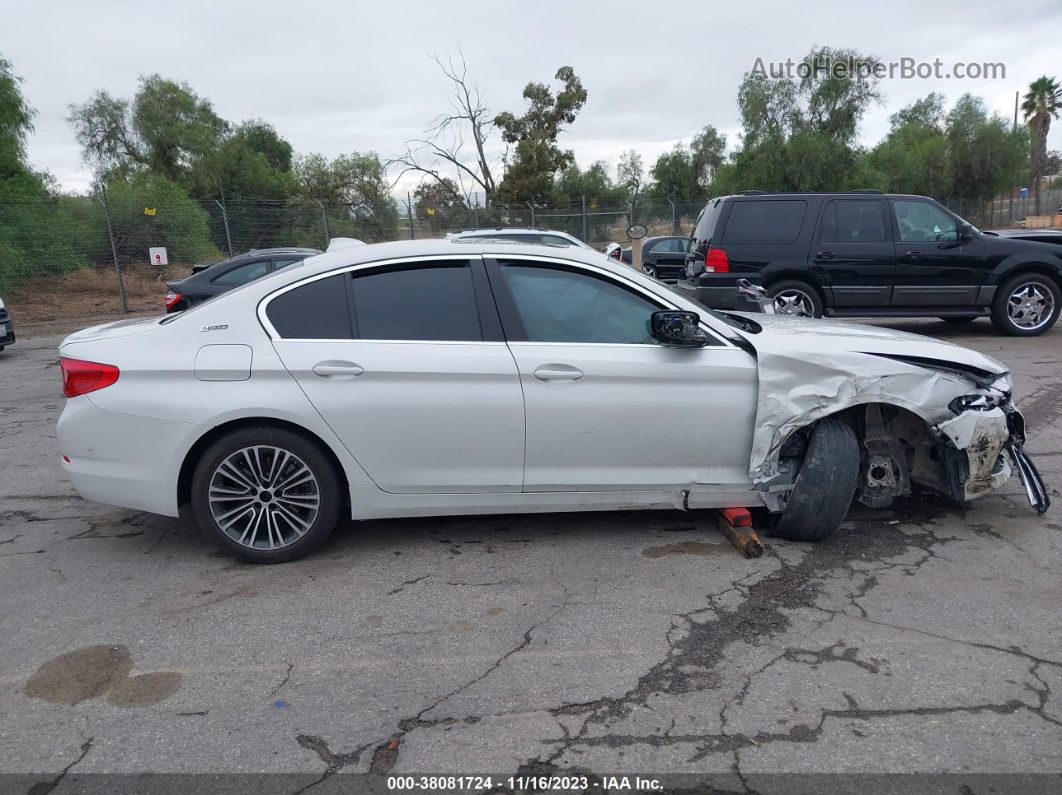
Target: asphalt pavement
(926,638)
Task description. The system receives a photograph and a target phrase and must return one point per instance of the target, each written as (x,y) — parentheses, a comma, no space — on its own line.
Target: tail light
(716,261)
(81,377)
(171,298)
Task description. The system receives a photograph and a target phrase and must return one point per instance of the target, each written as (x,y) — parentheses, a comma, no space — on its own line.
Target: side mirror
(964,232)
(677,328)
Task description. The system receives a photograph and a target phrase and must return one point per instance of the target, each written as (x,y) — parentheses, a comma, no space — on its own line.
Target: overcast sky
(335,77)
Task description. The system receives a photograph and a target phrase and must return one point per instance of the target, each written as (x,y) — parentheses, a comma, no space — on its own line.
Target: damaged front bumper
(976,446)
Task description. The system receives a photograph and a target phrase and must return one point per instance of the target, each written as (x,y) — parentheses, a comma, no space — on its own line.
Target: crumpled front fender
(979,438)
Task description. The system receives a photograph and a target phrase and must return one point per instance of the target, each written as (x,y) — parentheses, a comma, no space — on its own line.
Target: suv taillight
(81,377)
(716,261)
(171,298)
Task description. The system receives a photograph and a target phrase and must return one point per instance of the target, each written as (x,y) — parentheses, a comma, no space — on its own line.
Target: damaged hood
(813,368)
(783,333)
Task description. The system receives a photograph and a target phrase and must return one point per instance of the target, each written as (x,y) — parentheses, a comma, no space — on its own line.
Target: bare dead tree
(443,145)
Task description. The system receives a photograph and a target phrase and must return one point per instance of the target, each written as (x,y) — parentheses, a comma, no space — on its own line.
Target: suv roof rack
(753,192)
(865,190)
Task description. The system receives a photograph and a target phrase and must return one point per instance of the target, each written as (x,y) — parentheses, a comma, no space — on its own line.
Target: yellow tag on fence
(149,211)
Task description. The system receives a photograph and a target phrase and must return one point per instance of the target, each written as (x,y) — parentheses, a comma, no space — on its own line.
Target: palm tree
(1042,102)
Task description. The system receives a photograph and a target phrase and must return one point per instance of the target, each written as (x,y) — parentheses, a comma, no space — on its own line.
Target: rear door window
(853,221)
(768,221)
(433,302)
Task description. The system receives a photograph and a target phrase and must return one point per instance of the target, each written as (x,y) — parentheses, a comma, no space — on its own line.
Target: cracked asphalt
(926,638)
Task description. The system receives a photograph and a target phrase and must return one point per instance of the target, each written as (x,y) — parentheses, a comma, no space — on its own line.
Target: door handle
(332,368)
(823,255)
(558,372)
(913,254)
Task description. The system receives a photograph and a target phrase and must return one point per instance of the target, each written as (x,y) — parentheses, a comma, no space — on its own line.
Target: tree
(572,185)
(441,205)
(630,172)
(986,156)
(914,156)
(1041,103)
(355,187)
(707,153)
(685,173)
(536,158)
(16,123)
(800,133)
(252,162)
(443,143)
(165,129)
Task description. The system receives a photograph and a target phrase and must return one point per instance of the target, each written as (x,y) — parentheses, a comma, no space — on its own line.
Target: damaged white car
(448,377)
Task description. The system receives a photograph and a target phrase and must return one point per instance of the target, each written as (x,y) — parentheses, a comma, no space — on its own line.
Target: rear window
(706,221)
(774,221)
(315,311)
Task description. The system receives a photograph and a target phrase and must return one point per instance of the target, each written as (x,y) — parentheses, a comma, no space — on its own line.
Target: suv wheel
(794,297)
(649,271)
(1026,305)
(265,494)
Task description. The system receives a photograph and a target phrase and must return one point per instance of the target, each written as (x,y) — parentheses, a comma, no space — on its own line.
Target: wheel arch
(1012,267)
(195,452)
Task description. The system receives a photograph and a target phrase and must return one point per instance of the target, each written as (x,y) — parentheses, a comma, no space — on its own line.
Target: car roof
(505,230)
(441,247)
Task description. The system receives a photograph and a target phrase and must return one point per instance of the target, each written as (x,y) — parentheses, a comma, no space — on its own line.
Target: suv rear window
(772,221)
(706,220)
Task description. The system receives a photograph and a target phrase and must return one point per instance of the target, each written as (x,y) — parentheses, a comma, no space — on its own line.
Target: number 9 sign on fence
(157,255)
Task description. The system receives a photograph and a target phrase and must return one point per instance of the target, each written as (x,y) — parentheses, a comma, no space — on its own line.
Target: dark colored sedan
(215,279)
(663,257)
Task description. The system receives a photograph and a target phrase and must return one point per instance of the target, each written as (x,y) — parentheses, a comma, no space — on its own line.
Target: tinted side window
(242,274)
(922,222)
(315,311)
(765,221)
(847,221)
(433,302)
(564,306)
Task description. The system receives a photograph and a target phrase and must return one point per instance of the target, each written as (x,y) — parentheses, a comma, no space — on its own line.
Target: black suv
(663,258)
(868,254)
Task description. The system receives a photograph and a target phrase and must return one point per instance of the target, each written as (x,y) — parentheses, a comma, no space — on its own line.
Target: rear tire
(267,495)
(795,297)
(1043,295)
(825,486)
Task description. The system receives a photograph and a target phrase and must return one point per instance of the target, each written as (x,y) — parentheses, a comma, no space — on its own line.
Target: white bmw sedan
(445,377)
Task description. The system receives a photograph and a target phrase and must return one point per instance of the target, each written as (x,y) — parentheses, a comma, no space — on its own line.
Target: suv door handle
(913,254)
(823,255)
(558,372)
(334,368)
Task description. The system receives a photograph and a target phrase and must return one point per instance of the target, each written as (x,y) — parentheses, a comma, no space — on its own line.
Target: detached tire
(266,495)
(825,485)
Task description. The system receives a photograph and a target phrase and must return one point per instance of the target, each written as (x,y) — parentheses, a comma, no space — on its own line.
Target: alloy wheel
(264,497)
(794,302)
(1030,306)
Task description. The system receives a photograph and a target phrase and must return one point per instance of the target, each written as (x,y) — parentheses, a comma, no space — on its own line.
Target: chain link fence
(73,258)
